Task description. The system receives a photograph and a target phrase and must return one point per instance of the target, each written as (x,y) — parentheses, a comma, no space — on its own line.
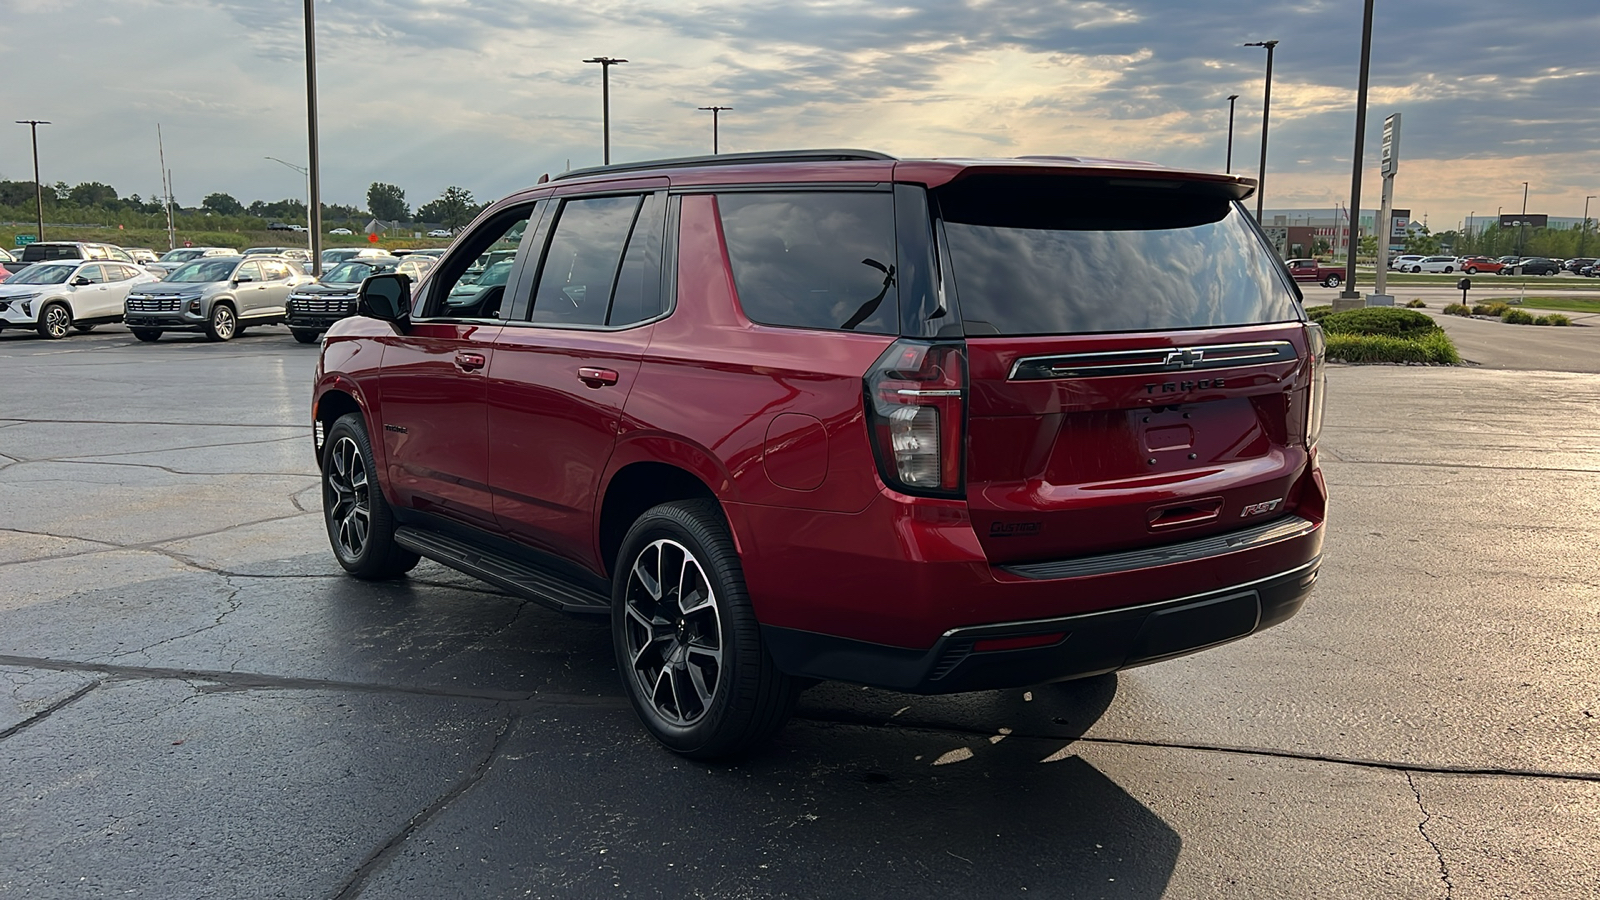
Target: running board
(503,572)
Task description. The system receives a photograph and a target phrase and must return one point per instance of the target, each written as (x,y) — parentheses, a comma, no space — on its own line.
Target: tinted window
(95,274)
(580,268)
(814,259)
(39,252)
(1077,256)
(638,294)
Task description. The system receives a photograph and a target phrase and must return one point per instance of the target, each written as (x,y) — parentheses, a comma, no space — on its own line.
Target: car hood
(171,288)
(325,288)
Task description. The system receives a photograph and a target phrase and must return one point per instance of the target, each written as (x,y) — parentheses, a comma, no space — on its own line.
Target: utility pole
(1350,298)
(38,190)
(606,63)
(166,190)
(715,110)
(1229,167)
(1266,114)
(1583,232)
(314,176)
(1522,226)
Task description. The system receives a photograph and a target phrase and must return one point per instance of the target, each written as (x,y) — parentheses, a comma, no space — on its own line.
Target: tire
(84,329)
(360,524)
(147,335)
(1449,269)
(222,324)
(1470,271)
(700,679)
(1416,270)
(304,335)
(55,320)
(1332,281)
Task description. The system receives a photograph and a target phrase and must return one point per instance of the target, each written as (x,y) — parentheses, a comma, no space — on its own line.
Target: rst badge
(1256,509)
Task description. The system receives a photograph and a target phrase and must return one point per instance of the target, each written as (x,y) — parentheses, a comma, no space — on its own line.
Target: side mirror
(78,281)
(243,279)
(386,297)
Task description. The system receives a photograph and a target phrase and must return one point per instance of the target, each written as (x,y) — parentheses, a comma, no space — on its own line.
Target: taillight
(1317,390)
(916,408)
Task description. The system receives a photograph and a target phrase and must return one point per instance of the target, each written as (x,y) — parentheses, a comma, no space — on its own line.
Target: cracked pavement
(194,701)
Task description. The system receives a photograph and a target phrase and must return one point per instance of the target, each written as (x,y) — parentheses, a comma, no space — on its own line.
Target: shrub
(1517,317)
(1416,304)
(1316,313)
(1553,319)
(1440,349)
(1386,321)
(1496,309)
(1458,309)
(1434,347)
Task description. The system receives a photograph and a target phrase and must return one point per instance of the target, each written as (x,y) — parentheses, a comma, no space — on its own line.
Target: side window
(580,268)
(814,259)
(250,271)
(93,273)
(274,270)
(638,295)
(472,282)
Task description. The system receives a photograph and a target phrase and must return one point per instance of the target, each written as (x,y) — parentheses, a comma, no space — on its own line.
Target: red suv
(929,425)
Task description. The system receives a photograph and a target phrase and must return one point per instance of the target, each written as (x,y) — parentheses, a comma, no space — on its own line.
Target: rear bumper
(1018,654)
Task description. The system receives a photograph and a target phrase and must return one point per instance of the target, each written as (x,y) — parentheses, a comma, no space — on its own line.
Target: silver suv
(220,296)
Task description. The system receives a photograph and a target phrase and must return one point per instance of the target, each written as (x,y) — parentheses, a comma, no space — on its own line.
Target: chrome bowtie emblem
(1186,358)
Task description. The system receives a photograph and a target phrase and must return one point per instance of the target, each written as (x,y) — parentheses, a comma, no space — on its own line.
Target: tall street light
(1522,226)
(1231,98)
(1266,112)
(313,160)
(714,110)
(307,173)
(38,191)
(1350,294)
(606,63)
(1583,232)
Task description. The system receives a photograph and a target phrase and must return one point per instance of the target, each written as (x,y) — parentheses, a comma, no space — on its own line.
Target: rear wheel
(148,335)
(360,524)
(223,324)
(305,335)
(687,642)
(1416,270)
(1332,281)
(1449,269)
(1471,271)
(55,320)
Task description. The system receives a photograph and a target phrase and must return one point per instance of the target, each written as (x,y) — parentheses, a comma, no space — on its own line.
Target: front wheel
(1332,281)
(360,524)
(1416,270)
(223,324)
(1448,269)
(1471,271)
(687,642)
(55,320)
(305,335)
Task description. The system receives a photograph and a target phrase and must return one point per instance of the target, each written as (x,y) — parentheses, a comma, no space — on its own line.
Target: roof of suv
(857,165)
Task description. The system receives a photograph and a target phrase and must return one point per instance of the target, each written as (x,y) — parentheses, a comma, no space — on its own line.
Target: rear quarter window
(814,259)
(1084,256)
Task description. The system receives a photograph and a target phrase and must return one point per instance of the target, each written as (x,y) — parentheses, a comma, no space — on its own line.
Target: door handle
(597,378)
(469,362)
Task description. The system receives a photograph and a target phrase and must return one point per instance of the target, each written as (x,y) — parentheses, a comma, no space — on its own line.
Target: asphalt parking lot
(194,701)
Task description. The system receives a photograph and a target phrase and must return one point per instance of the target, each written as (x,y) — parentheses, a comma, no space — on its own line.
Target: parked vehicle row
(1473,265)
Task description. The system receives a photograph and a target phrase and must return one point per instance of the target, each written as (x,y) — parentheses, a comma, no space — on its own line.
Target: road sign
(1391,145)
(1510,220)
(372,238)
(24,240)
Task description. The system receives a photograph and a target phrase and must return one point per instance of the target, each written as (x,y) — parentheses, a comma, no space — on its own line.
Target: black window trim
(431,285)
(768,187)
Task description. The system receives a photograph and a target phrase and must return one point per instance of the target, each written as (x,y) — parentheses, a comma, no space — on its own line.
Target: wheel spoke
(697,680)
(660,703)
(679,689)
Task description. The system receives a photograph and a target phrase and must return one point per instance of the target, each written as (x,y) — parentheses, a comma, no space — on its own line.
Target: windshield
(351,273)
(42,274)
(203,272)
(181,255)
(1078,256)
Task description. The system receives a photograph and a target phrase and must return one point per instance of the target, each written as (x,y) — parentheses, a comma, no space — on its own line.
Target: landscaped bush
(1441,350)
(1496,309)
(1517,317)
(1372,348)
(1553,319)
(1458,309)
(1416,303)
(1316,313)
(1385,321)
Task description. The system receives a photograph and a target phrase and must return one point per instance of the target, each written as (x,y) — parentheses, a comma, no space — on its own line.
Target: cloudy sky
(489,94)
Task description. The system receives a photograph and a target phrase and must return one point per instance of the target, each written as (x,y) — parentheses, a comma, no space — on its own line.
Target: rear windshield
(1082,256)
(37,252)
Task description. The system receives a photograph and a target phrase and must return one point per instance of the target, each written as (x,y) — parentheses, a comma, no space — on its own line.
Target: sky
(490,94)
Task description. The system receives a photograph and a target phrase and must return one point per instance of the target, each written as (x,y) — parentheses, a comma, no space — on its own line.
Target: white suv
(54,297)
(1446,264)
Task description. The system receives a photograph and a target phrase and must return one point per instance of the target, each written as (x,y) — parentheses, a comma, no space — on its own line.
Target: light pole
(307,173)
(1229,167)
(1583,228)
(313,160)
(715,110)
(1266,113)
(1350,295)
(38,191)
(606,63)
(1522,226)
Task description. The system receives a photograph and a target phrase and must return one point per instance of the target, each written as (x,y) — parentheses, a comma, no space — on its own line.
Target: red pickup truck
(1314,270)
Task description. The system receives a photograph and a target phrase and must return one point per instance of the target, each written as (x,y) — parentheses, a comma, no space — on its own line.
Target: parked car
(1535,265)
(284,226)
(797,416)
(439,233)
(1315,270)
(298,254)
(6,256)
(45,251)
(343,232)
(174,259)
(1406,263)
(1590,271)
(311,308)
(1445,264)
(144,256)
(57,296)
(219,295)
(1472,265)
(340,254)
(1578,264)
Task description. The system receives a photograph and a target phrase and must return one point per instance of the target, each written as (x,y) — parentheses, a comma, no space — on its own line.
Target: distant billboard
(1517,220)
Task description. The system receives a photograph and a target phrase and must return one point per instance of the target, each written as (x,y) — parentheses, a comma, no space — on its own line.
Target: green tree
(93,193)
(453,209)
(222,204)
(387,202)
(1422,241)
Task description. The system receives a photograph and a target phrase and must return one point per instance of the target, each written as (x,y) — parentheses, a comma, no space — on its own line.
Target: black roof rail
(729,159)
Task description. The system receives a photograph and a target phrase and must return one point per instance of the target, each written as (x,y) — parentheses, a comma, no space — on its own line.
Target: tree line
(98,203)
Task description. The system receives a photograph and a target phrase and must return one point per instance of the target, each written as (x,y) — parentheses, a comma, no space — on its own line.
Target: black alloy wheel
(360,523)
